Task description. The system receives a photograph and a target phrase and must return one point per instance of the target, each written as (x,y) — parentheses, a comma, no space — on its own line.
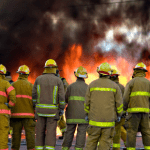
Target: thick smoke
(35,30)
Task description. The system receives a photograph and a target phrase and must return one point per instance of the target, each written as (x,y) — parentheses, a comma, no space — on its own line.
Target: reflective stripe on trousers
(39,147)
(78,148)
(76,121)
(131,148)
(49,147)
(116,145)
(65,148)
(147,147)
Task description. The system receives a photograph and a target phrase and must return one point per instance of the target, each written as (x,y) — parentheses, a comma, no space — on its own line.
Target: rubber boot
(61,137)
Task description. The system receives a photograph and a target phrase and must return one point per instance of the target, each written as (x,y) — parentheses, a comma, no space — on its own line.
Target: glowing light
(110,35)
(73,61)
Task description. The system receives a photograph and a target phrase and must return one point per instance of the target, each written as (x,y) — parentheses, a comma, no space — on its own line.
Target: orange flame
(74,59)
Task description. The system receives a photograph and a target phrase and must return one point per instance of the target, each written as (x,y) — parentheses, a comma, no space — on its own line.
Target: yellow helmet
(2,69)
(141,66)
(114,72)
(104,69)
(23,70)
(50,63)
(81,72)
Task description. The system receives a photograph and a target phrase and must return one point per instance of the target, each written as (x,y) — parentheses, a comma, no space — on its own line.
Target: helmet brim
(2,73)
(140,69)
(50,66)
(104,73)
(114,75)
(22,73)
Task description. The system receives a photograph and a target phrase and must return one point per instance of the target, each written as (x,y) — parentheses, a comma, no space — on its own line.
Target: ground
(139,144)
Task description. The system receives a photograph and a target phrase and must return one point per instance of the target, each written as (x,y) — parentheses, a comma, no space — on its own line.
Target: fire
(74,59)
(30,78)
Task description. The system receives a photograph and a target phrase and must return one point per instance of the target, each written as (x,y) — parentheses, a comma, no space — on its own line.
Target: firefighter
(103,103)
(6,90)
(136,103)
(120,132)
(23,111)
(61,123)
(48,91)
(75,114)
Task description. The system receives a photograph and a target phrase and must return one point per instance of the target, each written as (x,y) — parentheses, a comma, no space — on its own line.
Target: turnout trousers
(120,133)
(29,125)
(45,133)
(123,135)
(102,135)
(80,138)
(133,122)
(62,124)
(4,129)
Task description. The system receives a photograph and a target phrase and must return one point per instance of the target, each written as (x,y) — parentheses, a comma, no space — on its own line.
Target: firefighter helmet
(141,66)
(81,72)
(104,69)
(50,63)
(2,69)
(114,72)
(23,70)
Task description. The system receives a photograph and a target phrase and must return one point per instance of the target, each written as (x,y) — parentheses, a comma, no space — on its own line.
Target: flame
(30,78)
(74,59)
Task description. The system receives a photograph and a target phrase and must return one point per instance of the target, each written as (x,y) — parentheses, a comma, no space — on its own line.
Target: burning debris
(74,33)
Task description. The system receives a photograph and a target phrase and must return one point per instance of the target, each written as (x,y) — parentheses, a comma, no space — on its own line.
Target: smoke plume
(35,30)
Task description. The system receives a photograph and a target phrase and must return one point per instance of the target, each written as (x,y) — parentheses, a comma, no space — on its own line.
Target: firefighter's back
(23,112)
(48,86)
(103,103)
(103,100)
(76,97)
(24,105)
(6,90)
(140,86)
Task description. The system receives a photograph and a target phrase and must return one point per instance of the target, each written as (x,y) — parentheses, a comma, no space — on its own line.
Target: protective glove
(123,115)
(7,105)
(61,112)
(118,119)
(86,118)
